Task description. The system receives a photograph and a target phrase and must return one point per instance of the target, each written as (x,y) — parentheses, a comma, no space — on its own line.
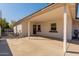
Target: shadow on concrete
(45,37)
(74,42)
(4,48)
(73,52)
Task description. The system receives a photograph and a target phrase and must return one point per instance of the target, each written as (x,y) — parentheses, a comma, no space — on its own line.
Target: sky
(16,11)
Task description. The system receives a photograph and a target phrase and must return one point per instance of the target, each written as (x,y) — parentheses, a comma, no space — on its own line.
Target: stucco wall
(46,26)
(18,29)
(69,28)
(24,28)
(75,26)
(69,22)
(15,30)
(75,22)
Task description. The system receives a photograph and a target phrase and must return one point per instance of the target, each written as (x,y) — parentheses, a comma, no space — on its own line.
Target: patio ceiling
(51,15)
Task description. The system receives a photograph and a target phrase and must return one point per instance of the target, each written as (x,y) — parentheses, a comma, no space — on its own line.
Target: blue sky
(17,11)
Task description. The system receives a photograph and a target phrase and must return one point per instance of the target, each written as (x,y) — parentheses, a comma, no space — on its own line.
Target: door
(34,29)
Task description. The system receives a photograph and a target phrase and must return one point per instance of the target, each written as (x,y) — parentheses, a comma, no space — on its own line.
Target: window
(39,28)
(53,27)
(77,11)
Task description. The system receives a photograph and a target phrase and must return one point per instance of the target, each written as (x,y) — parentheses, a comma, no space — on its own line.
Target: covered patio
(45,20)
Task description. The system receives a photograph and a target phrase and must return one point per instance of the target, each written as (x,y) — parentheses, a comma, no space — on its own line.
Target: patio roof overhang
(49,16)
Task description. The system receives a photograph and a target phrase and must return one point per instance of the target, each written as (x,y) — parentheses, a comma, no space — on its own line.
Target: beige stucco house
(55,20)
(46,22)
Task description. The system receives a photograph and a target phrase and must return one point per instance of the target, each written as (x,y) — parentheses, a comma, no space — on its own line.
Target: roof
(29,16)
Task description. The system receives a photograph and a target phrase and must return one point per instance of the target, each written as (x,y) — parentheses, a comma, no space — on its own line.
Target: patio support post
(65,30)
(29,30)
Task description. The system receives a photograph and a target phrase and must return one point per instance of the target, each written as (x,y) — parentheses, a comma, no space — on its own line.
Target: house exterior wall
(73,14)
(46,26)
(18,29)
(69,22)
(15,29)
(73,23)
(69,28)
(75,27)
(21,29)
(24,28)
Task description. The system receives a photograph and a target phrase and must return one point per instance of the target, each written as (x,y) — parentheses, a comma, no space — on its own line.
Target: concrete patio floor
(73,48)
(35,46)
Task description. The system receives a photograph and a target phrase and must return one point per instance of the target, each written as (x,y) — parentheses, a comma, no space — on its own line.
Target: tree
(12,24)
(4,24)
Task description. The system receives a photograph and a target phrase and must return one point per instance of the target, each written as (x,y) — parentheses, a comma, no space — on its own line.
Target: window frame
(51,28)
(38,28)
